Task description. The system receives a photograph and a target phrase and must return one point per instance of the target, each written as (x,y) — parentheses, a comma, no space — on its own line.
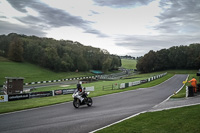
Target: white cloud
(122,27)
(76,34)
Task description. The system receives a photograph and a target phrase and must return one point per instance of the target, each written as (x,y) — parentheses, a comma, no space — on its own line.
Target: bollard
(190,91)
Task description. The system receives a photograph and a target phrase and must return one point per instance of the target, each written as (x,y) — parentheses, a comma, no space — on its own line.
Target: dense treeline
(176,57)
(57,55)
(130,57)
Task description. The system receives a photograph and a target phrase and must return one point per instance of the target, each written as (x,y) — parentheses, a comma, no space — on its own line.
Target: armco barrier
(4,98)
(125,85)
(135,83)
(122,85)
(58,92)
(40,94)
(68,91)
(18,97)
(144,81)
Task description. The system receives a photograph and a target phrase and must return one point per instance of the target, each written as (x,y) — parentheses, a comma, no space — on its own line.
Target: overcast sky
(123,27)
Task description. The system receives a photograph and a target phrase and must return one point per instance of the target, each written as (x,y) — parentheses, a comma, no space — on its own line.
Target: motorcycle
(77,102)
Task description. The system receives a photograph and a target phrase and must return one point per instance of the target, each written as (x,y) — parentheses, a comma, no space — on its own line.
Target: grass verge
(33,73)
(182,92)
(180,120)
(129,63)
(45,101)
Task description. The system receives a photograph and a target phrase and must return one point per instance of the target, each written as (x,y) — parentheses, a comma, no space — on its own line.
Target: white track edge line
(171,95)
(71,101)
(174,107)
(34,108)
(118,121)
(137,113)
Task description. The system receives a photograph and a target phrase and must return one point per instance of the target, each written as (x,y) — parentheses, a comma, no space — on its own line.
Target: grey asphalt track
(64,118)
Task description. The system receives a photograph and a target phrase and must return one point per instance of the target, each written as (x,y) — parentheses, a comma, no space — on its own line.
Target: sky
(122,27)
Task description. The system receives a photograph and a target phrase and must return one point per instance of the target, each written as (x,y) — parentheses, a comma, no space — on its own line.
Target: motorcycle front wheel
(76,103)
(89,101)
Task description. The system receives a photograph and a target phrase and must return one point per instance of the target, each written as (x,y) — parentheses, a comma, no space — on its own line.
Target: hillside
(32,73)
(56,55)
(129,63)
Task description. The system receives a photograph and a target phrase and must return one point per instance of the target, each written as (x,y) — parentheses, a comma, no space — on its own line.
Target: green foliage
(106,64)
(45,101)
(177,57)
(33,103)
(15,52)
(56,55)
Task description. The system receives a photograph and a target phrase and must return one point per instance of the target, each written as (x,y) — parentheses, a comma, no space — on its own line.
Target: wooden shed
(13,85)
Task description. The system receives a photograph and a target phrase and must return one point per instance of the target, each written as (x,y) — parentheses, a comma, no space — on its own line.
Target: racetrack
(64,118)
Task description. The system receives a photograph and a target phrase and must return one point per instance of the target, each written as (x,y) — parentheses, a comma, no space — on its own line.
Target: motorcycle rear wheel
(76,103)
(89,101)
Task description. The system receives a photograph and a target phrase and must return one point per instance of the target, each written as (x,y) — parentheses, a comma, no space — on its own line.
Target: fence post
(53,93)
(186,91)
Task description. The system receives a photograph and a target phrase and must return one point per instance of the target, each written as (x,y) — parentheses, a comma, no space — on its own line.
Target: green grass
(32,103)
(45,101)
(129,63)
(182,92)
(2,59)
(32,73)
(180,120)
(99,85)
(35,73)
(176,120)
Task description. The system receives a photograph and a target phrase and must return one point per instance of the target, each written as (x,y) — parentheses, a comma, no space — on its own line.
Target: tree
(16,50)
(66,63)
(51,59)
(106,64)
(56,55)
(176,57)
(82,64)
(4,46)
(116,62)
(147,63)
(162,61)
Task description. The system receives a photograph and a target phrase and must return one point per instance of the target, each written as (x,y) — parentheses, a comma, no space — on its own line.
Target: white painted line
(118,121)
(170,95)
(134,114)
(69,101)
(174,107)
(34,108)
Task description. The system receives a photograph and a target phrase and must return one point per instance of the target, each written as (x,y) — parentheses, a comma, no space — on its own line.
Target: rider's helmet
(79,87)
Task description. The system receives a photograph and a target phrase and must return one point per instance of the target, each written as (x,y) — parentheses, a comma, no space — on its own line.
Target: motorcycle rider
(81,92)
